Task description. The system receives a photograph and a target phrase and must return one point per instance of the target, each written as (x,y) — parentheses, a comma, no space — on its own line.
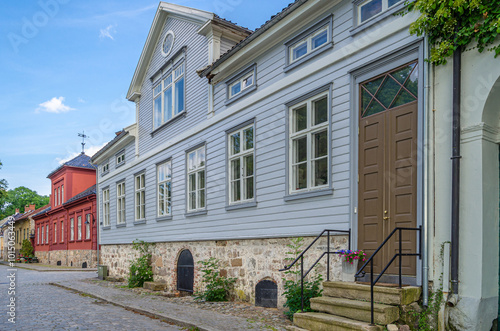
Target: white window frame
(62,193)
(243,81)
(62,231)
(72,228)
(169,33)
(241,155)
(87,226)
(169,82)
(308,41)
(105,168)
(165,202)
(196,169)
(120,158)
(105,207)
(43,228)
(38,236)
(47,230)
(120,203)
(79,218)
(55,197)
(140,196)
(385,7)
(55,232)
(309,133)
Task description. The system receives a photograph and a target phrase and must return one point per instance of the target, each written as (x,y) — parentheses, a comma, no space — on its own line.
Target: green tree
(27,248)
(455,24)
(3,185)
(18,198)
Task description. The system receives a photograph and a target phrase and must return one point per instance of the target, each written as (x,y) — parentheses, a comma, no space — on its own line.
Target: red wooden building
(66,232)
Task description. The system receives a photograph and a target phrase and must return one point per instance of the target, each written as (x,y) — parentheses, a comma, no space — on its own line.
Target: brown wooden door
(388,166)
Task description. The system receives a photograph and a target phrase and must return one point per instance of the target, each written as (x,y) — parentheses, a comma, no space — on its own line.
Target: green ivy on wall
(455,24)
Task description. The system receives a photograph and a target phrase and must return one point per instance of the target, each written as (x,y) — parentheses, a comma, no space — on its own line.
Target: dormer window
(120,158)
(168,96)
(371,8)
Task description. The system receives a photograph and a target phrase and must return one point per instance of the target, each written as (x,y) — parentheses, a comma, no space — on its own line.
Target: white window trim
(196,170)
(139,192)
(72,229)
(79,228)
(47,230)
(105,168)
(241,156)
(105,207)
(167,180)
(55,232)
(174,78)
(169,33)
(120,201)
(385,7)
(38,236)
(62,193)
(62,231)
(308,132)
(308,40)
(87,226)
(120,158)
(43,228)
(241,81)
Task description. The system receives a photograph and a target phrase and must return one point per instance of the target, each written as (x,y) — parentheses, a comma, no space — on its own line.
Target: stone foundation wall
(250,261)
(70,258)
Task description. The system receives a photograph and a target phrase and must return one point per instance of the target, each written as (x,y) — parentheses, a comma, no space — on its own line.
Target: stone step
(327,322)
(356,310)
(381,294)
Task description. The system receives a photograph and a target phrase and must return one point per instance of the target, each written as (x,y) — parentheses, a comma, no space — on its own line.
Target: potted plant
(350,263)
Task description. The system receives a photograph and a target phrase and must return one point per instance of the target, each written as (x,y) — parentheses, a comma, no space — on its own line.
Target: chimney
(17,210)
(26,208)
(32,206)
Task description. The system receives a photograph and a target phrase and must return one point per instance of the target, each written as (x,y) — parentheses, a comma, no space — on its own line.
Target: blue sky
(65,67)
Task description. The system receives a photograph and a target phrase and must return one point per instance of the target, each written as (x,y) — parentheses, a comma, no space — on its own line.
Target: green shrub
(217,287)
(27,248)
(140,269)
(292,287)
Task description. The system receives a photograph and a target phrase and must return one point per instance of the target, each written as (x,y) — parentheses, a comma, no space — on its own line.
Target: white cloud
(107,33)
(80,100)
(90,151)
(54,105)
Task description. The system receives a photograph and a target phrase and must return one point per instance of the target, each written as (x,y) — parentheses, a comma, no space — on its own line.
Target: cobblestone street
(40,306)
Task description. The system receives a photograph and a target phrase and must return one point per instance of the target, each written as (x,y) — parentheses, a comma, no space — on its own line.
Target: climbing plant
(456,24)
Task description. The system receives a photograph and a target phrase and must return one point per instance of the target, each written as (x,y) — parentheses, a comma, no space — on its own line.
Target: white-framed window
(72,229)
(105,207)
(241,165)
(168,43)
(59,195)
(62,231)
(120,158)
(55,232)
(140,197)
(168,96)
(43,228)
(55,197)
(62,193)
(120,203)
(79,228)
(371,8)
(38,236)
(87,227)
(308,44)
(105,168)
(309,150)
(196,179)
(164,178)
(47,230)
(242,84)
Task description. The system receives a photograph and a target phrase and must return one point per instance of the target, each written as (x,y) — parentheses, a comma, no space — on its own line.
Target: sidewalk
(45,267)
(158,307)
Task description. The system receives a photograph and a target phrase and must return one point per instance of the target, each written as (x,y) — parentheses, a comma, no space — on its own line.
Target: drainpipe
(425,225)
(455,175)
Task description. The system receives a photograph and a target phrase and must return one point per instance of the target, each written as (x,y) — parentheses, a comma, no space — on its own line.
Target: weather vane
(83,135)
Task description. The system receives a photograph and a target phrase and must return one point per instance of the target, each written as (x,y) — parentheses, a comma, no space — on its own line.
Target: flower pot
(349,270)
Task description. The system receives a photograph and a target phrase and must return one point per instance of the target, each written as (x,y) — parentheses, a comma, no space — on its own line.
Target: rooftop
(81,161)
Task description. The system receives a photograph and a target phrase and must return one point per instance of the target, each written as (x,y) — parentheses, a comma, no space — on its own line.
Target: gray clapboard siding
(272,217)
(225,45)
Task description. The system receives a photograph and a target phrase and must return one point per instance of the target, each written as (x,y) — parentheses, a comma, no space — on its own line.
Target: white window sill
(242,205)
(240,95)
(308,194)
(141,221)
(106,227)
(164,218)
(182,114)
(121,225)
(195,213)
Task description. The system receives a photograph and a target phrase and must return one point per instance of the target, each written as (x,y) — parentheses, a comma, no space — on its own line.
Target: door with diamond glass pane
(388,165)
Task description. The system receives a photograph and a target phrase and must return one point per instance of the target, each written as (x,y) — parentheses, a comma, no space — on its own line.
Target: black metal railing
(327,253)
(362,273)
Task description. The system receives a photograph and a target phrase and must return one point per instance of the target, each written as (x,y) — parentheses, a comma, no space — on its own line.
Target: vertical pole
(371,290)
(349,240)
(328,258)
(400,256)
(302,283)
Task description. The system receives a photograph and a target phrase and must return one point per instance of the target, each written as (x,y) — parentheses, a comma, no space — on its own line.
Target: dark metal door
(185,271)
(266,294)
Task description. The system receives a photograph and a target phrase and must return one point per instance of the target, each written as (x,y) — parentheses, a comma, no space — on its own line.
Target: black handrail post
(328,258)
(400,256)
(349,240)
(302,283)
(420,242)
(371,289)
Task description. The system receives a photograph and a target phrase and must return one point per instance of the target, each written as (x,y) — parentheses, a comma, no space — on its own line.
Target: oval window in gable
(168,43)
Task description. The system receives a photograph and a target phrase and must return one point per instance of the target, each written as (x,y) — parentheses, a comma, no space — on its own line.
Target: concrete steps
(327,322)
(346,306)
(356,310)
